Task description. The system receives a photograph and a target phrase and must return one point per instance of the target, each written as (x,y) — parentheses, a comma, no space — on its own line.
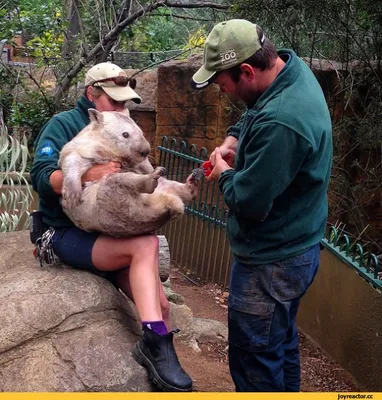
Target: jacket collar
(83,105)
(285,78)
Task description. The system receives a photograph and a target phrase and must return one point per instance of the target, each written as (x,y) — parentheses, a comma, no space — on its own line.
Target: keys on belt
(44,248)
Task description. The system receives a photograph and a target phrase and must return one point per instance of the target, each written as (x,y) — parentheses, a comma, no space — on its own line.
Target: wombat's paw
(192,186)
(71,198)
(158,172)
(151,182)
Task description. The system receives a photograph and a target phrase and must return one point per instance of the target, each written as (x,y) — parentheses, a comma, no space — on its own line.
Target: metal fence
(352,253)
(198,240)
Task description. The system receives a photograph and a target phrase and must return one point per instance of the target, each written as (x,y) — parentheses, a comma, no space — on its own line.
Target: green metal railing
(179,161)
(353,254)
(198,239)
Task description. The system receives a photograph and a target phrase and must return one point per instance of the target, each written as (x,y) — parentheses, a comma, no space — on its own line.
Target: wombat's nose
(145,153)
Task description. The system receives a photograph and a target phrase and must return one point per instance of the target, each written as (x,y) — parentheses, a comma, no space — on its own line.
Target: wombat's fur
(135,201)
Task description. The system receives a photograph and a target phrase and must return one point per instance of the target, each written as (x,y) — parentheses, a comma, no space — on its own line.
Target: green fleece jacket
(277,192)
(54,135)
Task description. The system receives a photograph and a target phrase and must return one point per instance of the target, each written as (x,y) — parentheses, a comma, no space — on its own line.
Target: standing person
(276,192)
(132,264)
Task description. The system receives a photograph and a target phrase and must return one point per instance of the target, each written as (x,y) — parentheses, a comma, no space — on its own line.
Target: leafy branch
(121,22)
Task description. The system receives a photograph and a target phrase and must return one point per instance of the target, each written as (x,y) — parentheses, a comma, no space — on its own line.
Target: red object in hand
(207,168)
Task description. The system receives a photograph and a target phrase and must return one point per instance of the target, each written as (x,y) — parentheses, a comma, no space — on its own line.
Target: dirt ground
(209,369)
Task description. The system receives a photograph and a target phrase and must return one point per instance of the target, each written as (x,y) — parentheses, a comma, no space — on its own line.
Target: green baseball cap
(228,44)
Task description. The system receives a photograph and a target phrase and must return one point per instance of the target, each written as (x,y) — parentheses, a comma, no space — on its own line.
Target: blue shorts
(74,246)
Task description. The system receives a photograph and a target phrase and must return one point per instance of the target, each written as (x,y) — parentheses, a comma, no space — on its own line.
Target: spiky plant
(15,192)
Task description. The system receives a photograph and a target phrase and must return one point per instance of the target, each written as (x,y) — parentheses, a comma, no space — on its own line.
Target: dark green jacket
(277,193)
(54,135)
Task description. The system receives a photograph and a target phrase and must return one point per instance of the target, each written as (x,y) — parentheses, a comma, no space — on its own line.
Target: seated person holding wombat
(107,89)
(138,200)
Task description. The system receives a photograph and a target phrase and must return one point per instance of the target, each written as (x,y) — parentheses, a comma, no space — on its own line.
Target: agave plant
(15,192)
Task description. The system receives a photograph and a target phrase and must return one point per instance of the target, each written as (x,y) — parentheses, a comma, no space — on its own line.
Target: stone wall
(144,114)
(171,108)
(198,117)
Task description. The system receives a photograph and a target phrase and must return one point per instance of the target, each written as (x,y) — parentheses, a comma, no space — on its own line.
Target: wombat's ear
(126,112)
(95,115)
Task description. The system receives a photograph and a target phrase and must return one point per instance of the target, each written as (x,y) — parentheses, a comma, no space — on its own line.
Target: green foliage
(168,29)
(33,17)
(31,113)
(5,92)
(25,106)
(48,45)
(196,40)
(161,33)
(339,29)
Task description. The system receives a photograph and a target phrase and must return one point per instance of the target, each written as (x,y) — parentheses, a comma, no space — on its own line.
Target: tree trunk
(122,21)
(71,35)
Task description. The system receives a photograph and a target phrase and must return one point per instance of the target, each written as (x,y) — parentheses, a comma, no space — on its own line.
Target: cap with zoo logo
(228,44)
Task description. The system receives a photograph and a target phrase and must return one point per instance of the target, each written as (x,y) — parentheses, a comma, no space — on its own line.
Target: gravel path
(209,369)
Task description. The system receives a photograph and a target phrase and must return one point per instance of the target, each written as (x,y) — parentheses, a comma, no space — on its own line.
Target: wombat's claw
(192,180)
(71,200)
(162,170)
(192,184)
(158,172)
(197,174)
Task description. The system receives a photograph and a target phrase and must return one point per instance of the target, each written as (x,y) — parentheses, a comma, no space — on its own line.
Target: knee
(152,241)
(147,244)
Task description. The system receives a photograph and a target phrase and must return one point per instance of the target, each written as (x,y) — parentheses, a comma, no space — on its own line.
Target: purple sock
(159,327)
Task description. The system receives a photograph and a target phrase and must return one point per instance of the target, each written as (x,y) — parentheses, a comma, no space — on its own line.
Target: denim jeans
(262,308)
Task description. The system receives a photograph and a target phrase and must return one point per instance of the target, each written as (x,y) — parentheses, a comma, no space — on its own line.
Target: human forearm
(230,143)
(244,200)
(94,173)
(56,180)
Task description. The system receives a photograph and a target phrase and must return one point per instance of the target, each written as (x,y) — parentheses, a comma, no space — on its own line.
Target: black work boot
(157,354)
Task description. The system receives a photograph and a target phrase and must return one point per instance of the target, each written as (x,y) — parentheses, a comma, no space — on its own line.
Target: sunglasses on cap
(119,81)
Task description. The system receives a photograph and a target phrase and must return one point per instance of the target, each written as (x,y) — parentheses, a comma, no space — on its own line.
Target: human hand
(98,171)
(229,158)
(218,164)
(223,150)
(227,154)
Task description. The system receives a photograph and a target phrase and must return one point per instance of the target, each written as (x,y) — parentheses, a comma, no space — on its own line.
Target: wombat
(136,201)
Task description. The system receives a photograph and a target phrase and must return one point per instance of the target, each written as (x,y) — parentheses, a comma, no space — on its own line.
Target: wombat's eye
(125,134)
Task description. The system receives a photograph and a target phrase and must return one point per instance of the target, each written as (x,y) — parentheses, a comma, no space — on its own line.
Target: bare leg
(123,282)
(142,254)
(165,306)
(154,351)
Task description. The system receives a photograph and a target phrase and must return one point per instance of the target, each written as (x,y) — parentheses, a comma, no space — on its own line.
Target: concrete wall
(342,313)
